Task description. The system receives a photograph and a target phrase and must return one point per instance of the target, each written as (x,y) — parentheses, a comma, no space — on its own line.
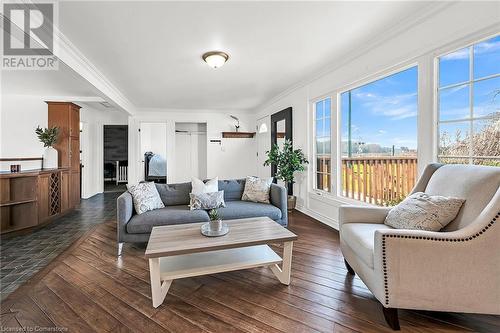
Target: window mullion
(471,102)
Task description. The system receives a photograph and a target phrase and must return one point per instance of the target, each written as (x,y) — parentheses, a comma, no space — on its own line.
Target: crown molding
(70,55)
(400,27)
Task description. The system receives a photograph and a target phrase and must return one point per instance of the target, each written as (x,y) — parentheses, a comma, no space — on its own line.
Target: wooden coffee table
(181,251)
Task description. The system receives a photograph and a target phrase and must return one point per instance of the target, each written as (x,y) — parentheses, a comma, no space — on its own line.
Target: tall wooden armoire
(66,116)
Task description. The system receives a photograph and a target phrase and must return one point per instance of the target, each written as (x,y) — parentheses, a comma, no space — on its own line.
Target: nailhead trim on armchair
(384,264)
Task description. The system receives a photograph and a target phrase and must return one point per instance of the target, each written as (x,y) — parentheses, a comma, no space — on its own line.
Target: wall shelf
(235,135)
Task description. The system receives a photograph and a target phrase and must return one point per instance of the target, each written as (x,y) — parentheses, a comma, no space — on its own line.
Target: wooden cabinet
(65,179)
(66,116)
(32,197)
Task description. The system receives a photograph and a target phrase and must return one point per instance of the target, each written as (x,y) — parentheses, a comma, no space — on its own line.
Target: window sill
(336,200)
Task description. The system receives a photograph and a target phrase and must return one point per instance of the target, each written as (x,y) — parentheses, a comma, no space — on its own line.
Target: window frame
(470,120)
(358,84)
(333,126)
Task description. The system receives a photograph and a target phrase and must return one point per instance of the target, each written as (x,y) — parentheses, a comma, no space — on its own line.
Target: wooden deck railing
(378,180)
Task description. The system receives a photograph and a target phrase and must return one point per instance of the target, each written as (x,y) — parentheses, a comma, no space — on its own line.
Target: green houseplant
(215,220)
(288,161)
(48,136)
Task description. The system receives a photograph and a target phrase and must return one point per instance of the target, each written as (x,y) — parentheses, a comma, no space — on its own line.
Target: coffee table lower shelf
(164,270)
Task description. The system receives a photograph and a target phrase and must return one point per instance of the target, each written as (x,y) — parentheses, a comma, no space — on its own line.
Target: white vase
(50,156)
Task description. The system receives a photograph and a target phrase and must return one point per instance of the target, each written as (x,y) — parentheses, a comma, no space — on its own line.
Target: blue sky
(385,111)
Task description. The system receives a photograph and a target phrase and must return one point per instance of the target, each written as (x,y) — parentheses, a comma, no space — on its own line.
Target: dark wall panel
(115,143)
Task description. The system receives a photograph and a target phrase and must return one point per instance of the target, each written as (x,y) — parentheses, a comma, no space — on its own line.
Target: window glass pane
(454,103)
(323,164)
(327,145)
(487,97)
(487,58)
(454,67)
(328,127)
(379,120)
(320,131)
(344,119)
(320,146)
(453,160)
(486,139)
(327,107)
(323,181)
(454,139)
(319,110)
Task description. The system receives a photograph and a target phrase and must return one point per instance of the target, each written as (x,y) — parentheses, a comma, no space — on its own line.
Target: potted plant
(288,161)
(48,136)
(215,220)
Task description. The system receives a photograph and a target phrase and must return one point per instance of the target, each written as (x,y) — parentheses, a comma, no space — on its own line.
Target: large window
(323,145)
(469,104)
(379,139)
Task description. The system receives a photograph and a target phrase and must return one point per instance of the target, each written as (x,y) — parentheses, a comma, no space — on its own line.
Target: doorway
(115,151)
(190,151)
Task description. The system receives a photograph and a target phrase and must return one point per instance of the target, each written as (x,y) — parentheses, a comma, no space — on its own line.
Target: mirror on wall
(281,130)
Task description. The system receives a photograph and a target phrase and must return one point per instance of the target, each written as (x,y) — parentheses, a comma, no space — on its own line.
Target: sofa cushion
(174,194)
(361,239)
(233,189)
(245,209)
(144,223)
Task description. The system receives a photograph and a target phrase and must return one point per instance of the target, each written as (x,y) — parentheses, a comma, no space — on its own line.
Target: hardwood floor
(88,289)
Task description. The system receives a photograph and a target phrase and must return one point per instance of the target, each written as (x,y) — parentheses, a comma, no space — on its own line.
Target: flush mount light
(215,59)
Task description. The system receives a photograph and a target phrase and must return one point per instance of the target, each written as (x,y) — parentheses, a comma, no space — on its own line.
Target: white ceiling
(151,51)
(47,83)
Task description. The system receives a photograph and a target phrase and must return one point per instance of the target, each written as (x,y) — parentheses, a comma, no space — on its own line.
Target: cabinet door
(65,179)
(43,197)
(75,154)
(74,189)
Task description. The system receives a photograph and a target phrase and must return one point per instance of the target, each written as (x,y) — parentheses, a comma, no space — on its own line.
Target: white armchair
(456,269)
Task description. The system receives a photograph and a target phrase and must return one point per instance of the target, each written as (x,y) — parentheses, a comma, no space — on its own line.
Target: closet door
(183,158)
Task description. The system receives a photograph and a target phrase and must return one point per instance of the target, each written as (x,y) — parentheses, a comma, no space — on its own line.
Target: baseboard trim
(332,223)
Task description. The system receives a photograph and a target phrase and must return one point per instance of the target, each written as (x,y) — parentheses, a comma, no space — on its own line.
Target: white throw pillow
(198,186)
(257,189)
(145,197)
(207,201)
(424,212)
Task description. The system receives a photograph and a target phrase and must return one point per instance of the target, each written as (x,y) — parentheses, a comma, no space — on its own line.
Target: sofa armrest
(279,198)
(362,214)
(124,212)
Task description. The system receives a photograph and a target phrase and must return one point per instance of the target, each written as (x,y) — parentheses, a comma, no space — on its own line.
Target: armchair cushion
(361,239)
(424,212)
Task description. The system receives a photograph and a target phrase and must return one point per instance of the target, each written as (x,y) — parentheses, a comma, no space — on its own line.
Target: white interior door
(190,156)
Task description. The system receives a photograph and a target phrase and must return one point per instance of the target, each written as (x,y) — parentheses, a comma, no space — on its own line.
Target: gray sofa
(134,228)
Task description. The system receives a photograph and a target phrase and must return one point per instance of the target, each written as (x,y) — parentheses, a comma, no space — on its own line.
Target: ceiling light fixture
(215,59)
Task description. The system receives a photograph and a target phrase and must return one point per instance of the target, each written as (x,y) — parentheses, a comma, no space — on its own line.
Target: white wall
(93,146)
(458,24)
(20,115)
(233,158)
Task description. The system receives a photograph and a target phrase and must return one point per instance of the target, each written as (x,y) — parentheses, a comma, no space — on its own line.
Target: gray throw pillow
(424,212)
(257,189)
(207,201)
(145,197)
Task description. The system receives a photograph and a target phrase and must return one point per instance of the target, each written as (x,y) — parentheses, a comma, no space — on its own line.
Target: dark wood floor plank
(89,289)
(58,312)
(89,311)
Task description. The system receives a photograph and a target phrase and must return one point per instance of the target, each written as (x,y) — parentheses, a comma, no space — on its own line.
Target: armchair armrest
(124,212)
(279,198)
(362,214)
(438,270)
